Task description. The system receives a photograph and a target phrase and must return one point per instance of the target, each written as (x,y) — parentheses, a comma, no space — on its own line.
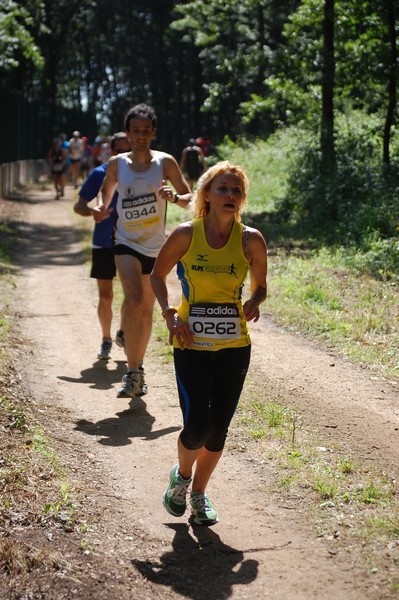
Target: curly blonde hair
(199,206)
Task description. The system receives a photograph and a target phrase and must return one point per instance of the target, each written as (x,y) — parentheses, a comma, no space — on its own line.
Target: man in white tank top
(140,177)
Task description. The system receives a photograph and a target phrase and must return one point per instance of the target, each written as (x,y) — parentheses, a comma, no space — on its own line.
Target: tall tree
(208,66)
(235,42)
(327,90)
(389,6)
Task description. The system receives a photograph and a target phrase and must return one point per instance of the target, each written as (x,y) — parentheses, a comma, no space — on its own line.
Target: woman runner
(209,333)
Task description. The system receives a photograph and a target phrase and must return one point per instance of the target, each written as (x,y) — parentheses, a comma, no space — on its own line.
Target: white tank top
(76,148)
(141,213)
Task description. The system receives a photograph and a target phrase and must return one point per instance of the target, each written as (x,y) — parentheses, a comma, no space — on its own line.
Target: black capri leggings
(209,386)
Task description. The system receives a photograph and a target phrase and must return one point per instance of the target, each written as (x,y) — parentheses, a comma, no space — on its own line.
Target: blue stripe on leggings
(185,396)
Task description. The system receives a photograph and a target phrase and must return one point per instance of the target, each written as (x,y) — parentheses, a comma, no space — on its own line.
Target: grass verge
(35,496)
(353,505)
(322,297)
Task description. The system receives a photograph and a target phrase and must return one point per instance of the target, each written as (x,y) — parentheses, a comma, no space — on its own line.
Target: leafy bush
(359,199)
(267,164)
(378,257)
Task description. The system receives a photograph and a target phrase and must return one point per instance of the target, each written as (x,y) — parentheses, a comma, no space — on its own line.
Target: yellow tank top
(212,281)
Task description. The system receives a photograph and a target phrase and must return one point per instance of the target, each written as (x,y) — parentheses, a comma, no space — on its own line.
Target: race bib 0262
(215,321)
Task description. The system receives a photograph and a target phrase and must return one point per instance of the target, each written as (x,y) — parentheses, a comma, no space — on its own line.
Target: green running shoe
(174,499)
(202,509)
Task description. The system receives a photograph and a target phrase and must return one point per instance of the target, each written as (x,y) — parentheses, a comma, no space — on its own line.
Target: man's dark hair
(120,135)
(140,111)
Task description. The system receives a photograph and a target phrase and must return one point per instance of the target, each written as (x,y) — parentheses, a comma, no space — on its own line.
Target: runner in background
(192,162)
(56,159)
(105,152)
(205,143)
(65,146)
(103,263)
(97,152)
(87,158)
(75,156)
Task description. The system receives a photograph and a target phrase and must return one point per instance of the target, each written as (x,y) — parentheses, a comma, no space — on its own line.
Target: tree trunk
(392,79)
(328,73)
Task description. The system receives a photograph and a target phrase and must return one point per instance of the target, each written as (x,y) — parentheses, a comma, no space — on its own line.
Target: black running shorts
(147,262)
(102,263)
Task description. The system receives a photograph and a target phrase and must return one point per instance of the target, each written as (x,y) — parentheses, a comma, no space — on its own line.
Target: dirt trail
(121,452)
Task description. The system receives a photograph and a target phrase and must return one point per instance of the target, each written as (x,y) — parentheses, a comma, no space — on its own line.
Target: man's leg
(104,308)
(54,178)
(129,271)
(146,318)
(104,311)
(75,167)
(137,311)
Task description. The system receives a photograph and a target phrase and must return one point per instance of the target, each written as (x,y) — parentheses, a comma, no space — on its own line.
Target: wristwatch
(167,309)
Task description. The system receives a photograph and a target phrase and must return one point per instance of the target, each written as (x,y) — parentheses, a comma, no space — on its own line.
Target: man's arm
(173,173)
(102,211)
(88,192)
(81,208)
(110,181)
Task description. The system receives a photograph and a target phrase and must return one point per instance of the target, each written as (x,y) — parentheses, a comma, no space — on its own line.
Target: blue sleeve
(92,185)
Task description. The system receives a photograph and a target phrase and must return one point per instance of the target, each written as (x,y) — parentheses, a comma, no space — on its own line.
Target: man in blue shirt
(103,264)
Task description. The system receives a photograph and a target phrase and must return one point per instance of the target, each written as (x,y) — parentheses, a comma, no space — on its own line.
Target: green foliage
(378,257)
(294,85)
(208,66)
(325,487)
(229,40)
(341,207)
(267,165)
(17,43)
(347,466)
(361,47)
(260,418)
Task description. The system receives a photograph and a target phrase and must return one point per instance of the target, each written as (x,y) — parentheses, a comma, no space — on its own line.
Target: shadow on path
(133,422)
(199,568)
(40,244)
(99,376)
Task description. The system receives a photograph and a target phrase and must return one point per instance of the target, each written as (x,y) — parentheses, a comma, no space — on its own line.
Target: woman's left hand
(251,310)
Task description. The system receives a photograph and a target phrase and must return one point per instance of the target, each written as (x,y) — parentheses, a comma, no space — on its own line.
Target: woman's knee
(192,440)
(216,440)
